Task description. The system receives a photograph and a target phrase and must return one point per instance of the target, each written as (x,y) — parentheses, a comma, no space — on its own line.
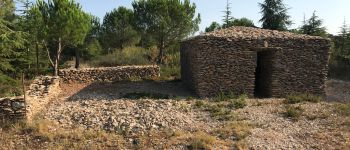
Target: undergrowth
(299,98)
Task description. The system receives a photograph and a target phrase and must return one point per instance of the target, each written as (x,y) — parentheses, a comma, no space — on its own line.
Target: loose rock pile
(109,74)
(130,117)
(226,61)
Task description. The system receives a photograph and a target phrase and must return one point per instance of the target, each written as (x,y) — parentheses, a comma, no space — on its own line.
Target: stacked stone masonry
(255,61)
(109,74)
(39,94)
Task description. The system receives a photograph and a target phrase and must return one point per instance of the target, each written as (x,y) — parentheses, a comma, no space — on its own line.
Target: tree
(7,9)
(243,22)
(167,21)
(214,26)
(118,30)
(274,15)
(227,17)
(313,26)
(64,25)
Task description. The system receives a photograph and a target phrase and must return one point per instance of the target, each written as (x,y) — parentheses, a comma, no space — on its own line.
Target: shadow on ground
(118,90)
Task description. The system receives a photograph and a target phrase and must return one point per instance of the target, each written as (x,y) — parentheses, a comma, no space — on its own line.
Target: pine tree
(274,15)
(228,15)
(313,26)
(64,25)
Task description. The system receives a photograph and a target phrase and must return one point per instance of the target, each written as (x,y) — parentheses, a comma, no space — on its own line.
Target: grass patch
(293,112)
(219,111)
(238,103)
(299,98)
(143,95)
(238,130)
(202,141)
(343,109)
(44,134)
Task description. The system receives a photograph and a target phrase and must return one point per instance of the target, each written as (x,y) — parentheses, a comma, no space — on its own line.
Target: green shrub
(128,56)
(170,72)
(238,103)
(343,109)
(298,98)
(143,95)
(293,112)
(9,86)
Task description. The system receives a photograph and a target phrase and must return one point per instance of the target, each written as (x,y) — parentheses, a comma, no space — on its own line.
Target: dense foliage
(274,15)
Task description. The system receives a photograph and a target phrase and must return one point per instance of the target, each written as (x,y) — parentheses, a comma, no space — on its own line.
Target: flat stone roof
(257,33)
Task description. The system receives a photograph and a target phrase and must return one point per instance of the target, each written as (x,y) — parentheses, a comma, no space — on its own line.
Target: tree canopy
(274,15)
(64,25)
(313,26)
(118,30)
(167,21)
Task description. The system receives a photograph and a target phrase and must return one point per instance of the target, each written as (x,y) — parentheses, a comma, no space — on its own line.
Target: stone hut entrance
(258,62)
(263,72)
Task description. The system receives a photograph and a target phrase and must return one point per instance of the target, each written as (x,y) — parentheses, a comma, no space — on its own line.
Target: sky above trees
(331,12)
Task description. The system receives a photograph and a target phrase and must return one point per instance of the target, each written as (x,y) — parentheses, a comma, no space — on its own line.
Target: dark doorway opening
(263,74)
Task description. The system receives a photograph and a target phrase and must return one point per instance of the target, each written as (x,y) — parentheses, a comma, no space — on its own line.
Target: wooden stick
(23,87)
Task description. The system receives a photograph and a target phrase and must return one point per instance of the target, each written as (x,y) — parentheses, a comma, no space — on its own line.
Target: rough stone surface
(226,61)
(40,93)
(12,108)
(109,74)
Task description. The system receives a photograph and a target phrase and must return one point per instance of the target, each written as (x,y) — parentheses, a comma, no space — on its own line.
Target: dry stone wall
(226,61)
(109,74)
(40,93)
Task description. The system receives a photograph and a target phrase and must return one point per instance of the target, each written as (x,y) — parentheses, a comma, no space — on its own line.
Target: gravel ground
(318,127)
(99,106)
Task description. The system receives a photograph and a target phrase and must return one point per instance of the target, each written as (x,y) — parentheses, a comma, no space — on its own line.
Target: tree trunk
(57,57)
(161,53)
(37,58)
(77,59)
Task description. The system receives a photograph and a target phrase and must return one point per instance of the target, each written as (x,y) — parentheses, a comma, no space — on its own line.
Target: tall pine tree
(274,15)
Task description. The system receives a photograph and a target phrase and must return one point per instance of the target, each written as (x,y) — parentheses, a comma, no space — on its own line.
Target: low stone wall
(12,108)
(40,93)
(109,74)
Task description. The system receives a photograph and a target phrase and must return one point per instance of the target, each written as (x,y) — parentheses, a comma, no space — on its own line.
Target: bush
(298,98)
(238,103)
(129,56)
(9,86)
(293,112)
(344,109)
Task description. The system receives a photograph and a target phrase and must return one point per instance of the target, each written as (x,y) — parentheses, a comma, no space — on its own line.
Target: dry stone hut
(261,63)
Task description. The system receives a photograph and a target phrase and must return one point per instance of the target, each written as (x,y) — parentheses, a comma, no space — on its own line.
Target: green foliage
(118,30)
(129,56)
(7,9)
(238,103)
(143,95)
(63,25)
(299,98)
(213,26)
(91,50)
(313,26)
(166,21)
(293,112)
(228,16)
(274,15)
(243,22)
(343,109)
(9,86)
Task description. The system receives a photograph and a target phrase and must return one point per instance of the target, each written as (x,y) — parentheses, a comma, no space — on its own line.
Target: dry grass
(44,134)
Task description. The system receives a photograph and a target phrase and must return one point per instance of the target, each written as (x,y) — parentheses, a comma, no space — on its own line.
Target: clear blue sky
(332,12)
